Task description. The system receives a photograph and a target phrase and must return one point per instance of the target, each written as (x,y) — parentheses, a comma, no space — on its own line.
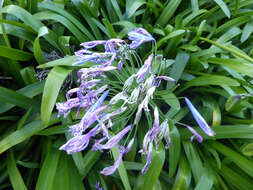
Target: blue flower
(138,37)
(199,119)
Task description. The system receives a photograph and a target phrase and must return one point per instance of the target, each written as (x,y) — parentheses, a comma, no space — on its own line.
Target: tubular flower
(144,69)
(199,119)
(92,44)
(101,111)
(78,143)
(138,37)
(195,134)
(111,169)
(115,139)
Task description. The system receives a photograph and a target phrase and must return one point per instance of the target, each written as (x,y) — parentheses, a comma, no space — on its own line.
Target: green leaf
(150,178)
(47,15)
(195,5)
(223,7)
(24,133)
(67,176)
(235,64)
(121,169)
(247,31)
(38,54)
(239,54)
(179,66)
(29,20)
(51,6)
(206,180)
(14,174)
(183,177)
(87,162)
(171,100)
(28,91)
(169,36)
(133,7)
(245,164)
(233,177)
(52,87)
(14,54)
(48,171)
(168,12)
(248,149)
(211,80)
(174,150)
(15,98)
(194,160)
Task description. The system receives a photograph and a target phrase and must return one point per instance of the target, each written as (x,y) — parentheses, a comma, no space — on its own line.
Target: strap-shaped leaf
(52,87)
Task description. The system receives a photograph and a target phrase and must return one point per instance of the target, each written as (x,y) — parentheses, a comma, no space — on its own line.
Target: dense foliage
(206,46)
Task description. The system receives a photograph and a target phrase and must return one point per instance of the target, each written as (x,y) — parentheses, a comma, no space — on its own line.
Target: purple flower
(148,159)
(111,169)
(85,58)
(120,65)
(88,119)
(97,186)
(195,134)
(78,143)
(139,36)
(199,119)
(155,127)
(99,101)
(92,72)
(112,44)
(159,78)
(144,69)
(97,145)
(115,139)
(92,44)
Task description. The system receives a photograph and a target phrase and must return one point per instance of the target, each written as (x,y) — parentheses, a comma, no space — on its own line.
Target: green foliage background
(207,47)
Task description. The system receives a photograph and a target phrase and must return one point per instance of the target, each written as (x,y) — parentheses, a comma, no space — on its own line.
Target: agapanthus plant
(119,85)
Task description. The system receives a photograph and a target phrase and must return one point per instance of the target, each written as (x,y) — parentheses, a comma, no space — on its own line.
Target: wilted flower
(163,133)
(144,69)
(120,96)
(134,95)
(144,103)
(199,119)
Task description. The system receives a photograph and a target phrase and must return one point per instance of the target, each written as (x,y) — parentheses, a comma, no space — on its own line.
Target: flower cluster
(98,115)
